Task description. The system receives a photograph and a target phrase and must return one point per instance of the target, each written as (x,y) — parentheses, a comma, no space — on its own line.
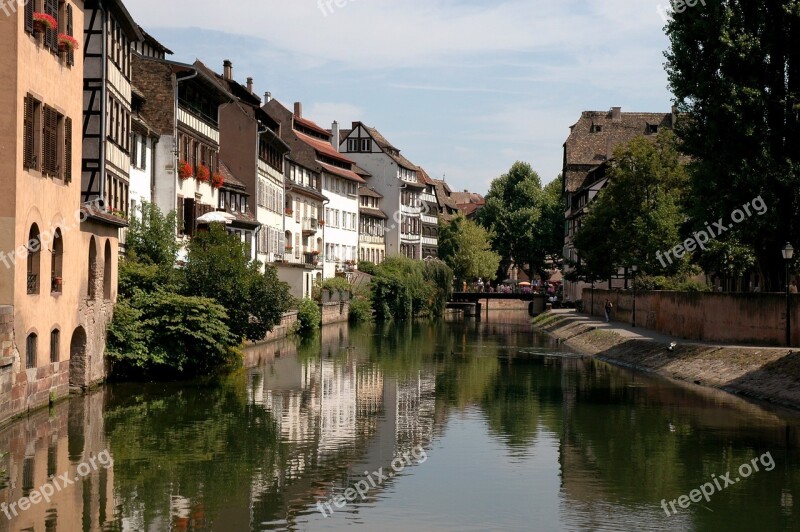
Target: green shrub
(163,335)
(360,309)
(403,288)
(370,268)
(332,285)
(672,284)
(309,317)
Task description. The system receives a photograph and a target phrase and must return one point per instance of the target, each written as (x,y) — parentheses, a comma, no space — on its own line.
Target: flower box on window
(56,285)
(288,249)
(203,173)
(185,170)
(43,21)
(67,43)
(289,211)
(321,222)
(217,180)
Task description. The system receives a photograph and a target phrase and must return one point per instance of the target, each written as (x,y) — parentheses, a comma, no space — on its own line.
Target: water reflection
(520,435)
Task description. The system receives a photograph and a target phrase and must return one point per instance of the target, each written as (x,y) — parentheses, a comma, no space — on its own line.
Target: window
(55,345)
(34,255)
(29,9)
(107,271)
(652,129)
(32,132)
(92,273)
(135,151)
(596,128)
(51,36)
(30,351)
(56,263)
(69,31)
(27,473)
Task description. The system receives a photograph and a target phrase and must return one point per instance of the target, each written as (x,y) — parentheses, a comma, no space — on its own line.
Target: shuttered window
(51,36)
(70,29)
(29,134)
(68,150)
(50,142)
(29,8)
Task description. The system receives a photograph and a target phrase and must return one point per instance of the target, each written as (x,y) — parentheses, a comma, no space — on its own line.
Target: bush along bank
(763,373)
(192,322)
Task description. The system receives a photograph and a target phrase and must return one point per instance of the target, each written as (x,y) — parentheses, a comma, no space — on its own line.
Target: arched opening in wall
(31,348)
(92,269)
(34,259)
(107,271)
(77,358)
(55,345)
(57,263)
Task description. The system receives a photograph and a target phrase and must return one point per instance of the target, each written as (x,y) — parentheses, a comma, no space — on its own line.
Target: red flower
(185,170)
(217,180)
(45,21)
(203,173)
(67,42)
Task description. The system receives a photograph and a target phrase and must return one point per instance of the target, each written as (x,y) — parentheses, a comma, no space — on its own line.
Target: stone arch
(107,271)
(78,358)
(92,269)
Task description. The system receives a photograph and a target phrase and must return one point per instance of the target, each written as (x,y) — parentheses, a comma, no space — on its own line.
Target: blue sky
(463,87)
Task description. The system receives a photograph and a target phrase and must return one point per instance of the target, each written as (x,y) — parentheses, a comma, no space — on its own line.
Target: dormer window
(652,129)
(596,128)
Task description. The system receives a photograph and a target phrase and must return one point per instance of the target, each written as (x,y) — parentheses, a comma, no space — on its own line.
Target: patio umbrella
(216,217)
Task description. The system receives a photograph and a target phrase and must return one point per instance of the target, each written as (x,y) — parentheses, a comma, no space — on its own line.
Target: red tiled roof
(311,125)
(341,172)
(424,175)
(231,180)
(323,147)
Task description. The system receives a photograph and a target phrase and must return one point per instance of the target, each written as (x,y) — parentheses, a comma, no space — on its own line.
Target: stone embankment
(770,374)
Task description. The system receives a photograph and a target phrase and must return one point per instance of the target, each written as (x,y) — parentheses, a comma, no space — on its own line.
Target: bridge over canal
(473,304)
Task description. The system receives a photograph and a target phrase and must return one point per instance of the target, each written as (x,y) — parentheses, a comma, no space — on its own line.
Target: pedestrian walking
(608,308)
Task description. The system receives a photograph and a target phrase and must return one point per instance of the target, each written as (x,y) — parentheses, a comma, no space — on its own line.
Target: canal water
(454,426)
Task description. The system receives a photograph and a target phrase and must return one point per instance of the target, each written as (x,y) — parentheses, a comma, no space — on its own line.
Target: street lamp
(635,269)
(788,254)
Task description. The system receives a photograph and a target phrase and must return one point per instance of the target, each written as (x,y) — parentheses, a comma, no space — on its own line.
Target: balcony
(430,241)
(407,209)
(408,237)
(428,197)
(371,239)
(310,226)
(427,219)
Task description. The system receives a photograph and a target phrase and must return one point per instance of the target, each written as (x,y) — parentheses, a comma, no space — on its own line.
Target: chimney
(298,109)
(335,135)
(250,85)
(227,70)
(674,114)
(267,97)
(616,113)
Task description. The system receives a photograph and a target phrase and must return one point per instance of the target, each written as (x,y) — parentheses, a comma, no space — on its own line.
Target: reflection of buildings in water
(54,442)
(416,408)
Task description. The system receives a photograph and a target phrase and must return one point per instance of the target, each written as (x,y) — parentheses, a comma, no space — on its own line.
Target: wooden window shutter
(68,150)
(181,223)
(50,140)
(29,8)
(29,150)
(70,29)
(51,36)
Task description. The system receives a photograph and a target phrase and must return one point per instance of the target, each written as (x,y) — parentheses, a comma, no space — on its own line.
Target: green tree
(465,247)
(400,290)
(515,215)
(219,268)
(151,238)
(638,216)
(734,69)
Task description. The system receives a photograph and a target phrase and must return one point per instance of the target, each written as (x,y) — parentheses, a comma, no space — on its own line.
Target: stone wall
(753,319)
(26,389)
(335,312)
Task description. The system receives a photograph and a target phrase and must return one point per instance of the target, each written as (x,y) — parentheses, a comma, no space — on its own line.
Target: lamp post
(788,254)
(635,269)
